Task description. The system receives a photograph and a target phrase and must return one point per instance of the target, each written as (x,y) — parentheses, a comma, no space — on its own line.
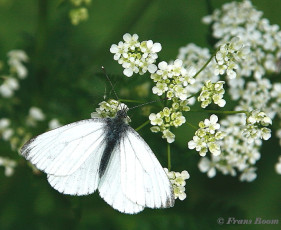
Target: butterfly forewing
(63,150)
(84,180)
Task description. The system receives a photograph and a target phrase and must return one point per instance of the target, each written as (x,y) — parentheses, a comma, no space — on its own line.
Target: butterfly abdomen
(115,128)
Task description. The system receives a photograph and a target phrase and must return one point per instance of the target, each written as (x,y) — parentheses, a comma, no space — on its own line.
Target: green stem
(42,25)
(191,125)
(218,111)
(131,101)
(204,66)
(193,95)
(169,156)
(142,125)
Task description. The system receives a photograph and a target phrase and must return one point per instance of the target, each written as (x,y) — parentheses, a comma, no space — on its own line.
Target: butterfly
(103,154)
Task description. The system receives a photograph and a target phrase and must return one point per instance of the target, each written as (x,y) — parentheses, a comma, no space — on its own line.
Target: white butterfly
(104,154)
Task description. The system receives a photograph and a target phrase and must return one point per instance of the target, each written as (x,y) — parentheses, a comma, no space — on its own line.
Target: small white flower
(54,123)
(212,123)
(7,134)
(167,134)
(6,91)
(248,175)
(155,119)
(4,123)
(9,165)
(205,165)
(278,166)
(128,72)
(36,114)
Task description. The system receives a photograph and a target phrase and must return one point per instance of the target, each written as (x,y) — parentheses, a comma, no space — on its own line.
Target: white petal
(204,164)
(114,49)
(162,65)
(178,63)
(127,37)
(211,173)
(213,119)
(152,68)
(156,47)
(128,72)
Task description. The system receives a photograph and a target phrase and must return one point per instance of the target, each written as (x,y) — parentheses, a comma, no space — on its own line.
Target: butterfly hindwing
(143,179)
(110,187)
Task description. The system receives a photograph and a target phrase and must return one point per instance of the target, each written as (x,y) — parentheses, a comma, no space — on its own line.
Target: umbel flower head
(178,182)
(135,56)
(173,79)
(109,109)
(255,126)
(207,137)
(212,92)
(241,19)
(228,55)
(9,165)
(167,118)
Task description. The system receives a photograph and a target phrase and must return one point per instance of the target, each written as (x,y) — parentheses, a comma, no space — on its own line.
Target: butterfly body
(115,129)
(103,154)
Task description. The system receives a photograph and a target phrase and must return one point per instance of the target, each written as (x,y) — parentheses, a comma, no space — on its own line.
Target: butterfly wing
(62,151)
(110,188)
(134,178)
(143,179)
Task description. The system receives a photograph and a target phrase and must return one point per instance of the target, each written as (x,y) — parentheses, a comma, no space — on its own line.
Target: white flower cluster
(255,95)
(35,114)
(9,165)
(212,92)
(173,79)
(238,155)
(135,56)
(5,130)
(255,129)
(241,19)
(228,55)
(278,166)
(80,12)
(195,56)
(19,135)
(241,146)
(109,109)
(16,58)
(167,118)
(207,137)
(178,182)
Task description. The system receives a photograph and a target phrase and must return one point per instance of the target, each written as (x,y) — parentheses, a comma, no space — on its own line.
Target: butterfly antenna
(150,102)
(104,96)
(103,69)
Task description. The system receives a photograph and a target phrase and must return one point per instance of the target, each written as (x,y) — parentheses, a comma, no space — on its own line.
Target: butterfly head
(122,113)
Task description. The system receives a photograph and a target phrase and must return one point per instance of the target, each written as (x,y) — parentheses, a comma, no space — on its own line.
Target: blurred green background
(66,82)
